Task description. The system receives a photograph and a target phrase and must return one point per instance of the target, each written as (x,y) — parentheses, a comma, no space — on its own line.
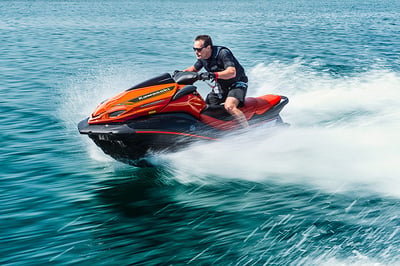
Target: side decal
(151,94)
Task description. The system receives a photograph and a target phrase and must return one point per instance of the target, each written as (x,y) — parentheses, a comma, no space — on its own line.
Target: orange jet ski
(166,113)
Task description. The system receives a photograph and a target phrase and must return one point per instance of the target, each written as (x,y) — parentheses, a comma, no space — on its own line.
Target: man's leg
(231,104)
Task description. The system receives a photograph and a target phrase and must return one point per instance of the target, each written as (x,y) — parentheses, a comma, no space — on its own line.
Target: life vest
(213,64)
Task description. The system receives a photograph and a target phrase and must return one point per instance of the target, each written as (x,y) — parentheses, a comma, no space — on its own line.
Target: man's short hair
(205,38)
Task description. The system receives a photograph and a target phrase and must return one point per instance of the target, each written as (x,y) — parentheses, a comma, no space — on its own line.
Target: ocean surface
(324,191)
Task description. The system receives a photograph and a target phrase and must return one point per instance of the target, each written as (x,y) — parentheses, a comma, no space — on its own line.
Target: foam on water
(318,98)
(343,134)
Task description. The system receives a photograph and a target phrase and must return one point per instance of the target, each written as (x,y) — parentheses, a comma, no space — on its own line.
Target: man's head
(203,46)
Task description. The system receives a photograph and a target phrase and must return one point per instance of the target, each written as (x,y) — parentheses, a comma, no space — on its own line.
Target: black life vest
(213,64)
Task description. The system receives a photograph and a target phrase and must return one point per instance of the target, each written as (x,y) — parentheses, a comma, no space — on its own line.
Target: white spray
(343,135)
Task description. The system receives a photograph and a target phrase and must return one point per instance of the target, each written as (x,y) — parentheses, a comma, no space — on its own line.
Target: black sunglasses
(199,49)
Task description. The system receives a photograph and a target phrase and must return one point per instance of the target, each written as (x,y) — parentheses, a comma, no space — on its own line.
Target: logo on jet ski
(151,94)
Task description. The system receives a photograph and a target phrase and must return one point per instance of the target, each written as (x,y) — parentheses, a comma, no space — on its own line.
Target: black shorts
(238,90)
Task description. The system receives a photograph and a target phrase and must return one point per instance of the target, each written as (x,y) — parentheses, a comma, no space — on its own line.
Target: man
(229,75)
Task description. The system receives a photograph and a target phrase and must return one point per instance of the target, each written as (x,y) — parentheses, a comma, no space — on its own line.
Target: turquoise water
(323,192)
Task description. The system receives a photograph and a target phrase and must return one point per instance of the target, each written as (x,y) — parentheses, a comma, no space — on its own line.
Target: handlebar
(185,78)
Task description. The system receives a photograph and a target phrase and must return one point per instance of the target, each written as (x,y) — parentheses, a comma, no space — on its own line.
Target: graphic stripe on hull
(173,133)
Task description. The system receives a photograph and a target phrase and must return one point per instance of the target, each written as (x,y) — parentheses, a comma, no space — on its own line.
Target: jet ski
(167,113)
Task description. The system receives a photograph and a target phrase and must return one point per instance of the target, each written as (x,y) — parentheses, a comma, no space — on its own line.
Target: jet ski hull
(132,141)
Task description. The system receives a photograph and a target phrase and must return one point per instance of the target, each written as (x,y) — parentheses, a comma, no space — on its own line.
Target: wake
(344,135)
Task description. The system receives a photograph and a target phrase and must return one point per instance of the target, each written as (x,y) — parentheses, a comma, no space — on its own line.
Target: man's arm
(191,69)
(227,59)
(228,73)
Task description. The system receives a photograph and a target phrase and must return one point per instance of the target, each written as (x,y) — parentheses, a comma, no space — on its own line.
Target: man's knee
(231,104)
(229,107)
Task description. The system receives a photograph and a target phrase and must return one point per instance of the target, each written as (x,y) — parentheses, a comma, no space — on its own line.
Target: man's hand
(207,76)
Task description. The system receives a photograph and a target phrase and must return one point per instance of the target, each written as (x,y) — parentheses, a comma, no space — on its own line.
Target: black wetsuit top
(220,59)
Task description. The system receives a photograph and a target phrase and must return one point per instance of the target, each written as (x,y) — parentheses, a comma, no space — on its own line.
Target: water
(324,191)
